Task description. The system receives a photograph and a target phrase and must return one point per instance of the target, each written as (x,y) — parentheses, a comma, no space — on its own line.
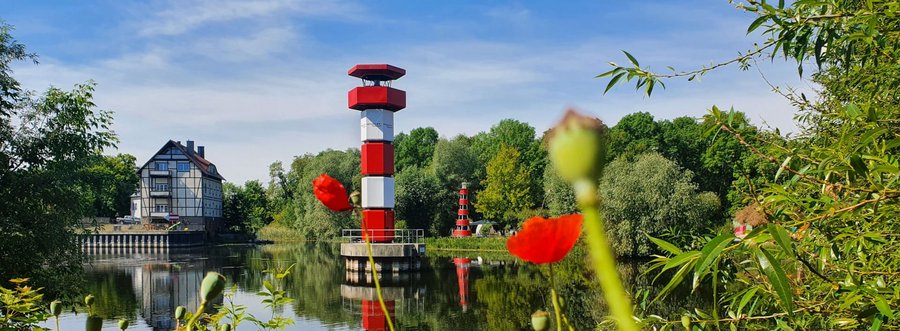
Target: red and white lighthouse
(462,216)
(377,102)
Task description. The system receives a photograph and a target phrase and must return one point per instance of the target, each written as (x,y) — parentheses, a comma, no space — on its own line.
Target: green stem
(196,317)
(57,323)
(605,268)
(375,276)
(555,299)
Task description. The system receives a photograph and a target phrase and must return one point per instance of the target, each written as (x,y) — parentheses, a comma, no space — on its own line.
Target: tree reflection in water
(449,293)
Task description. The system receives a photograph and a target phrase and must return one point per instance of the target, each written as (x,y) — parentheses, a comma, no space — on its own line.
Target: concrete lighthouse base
(389,257)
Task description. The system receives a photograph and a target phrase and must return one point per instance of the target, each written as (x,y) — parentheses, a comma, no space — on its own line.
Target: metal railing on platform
(404,236)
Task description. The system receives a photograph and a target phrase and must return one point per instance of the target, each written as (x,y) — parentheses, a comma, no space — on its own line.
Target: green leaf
(708,254)
(777,278)
(746,298)
(665,245)
(632,59)
(820,43)
(852,110)
(676,279)
(608,73)
(782,238)
(612,82)
(876,323)
(858,165)
(883,307)
(783,165)
(756,23)
(683,258)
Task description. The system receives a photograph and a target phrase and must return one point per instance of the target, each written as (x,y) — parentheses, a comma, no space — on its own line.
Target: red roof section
(202,163)
(380,72)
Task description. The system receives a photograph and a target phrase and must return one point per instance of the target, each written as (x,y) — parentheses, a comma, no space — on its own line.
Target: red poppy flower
(545,240)
(331,193)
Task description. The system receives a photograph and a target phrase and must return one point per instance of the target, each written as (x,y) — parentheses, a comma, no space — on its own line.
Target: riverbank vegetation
(825,253)
(467,244)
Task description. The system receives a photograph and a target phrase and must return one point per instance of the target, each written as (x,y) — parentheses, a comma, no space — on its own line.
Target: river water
(451,292)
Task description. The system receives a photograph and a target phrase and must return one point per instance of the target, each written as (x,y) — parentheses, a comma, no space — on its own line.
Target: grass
(280,233)
(474,244)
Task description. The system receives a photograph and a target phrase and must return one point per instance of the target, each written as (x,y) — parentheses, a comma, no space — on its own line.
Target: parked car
(128,220)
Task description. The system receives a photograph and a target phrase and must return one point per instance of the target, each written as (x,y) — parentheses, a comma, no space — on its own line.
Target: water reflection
(449,293)
(462,278)
(403,294)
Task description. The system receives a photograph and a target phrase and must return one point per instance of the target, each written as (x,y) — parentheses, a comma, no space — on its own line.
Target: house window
(162,166)
(184,166)
(161,208)
(161,187)
(212,169)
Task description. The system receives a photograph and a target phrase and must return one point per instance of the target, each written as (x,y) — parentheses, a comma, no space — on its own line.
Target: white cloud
(180,17)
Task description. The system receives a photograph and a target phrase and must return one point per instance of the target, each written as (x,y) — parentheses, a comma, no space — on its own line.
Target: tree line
(666,178)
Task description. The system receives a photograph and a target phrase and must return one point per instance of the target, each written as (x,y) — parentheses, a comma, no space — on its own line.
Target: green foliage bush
(647,196)
(418,192)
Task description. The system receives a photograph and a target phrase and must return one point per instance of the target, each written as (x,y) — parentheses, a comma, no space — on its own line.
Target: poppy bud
(540,320)
(89,300)
(225,327)
(93,323)
(577,146)
(179,312)
(56,308)
(123,324)
(213,285)
(686,322)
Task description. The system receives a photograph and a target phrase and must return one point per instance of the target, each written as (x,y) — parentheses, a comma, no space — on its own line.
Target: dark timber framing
(193,193)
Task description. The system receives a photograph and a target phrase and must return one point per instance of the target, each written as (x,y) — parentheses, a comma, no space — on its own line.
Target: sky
(260,81)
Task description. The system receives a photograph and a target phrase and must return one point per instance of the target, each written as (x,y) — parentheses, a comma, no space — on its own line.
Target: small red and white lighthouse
(462,216)
(377,102)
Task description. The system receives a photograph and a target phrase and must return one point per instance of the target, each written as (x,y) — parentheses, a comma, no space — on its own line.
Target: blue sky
(259,81)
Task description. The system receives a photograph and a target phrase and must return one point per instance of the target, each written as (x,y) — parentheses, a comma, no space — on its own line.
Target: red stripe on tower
(377,101)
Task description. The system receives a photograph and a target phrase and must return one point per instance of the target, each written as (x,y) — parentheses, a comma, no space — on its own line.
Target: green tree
(559,197)
(313,219)
(455,161)
(652,196)
(46,148)
(418,193)
(415,149)
(10,50)
(521,136)
(681,140)
(114,180)
(635,133)
(506,189)
(245,208)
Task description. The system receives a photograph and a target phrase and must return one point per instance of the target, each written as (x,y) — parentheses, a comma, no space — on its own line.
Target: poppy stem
(605,269)
(555,299)
(375,273)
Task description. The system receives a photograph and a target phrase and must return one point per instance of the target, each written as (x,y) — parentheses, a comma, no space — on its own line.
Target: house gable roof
(201,163)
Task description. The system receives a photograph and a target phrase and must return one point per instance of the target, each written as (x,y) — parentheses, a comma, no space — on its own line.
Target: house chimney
(201,150)
(190,146)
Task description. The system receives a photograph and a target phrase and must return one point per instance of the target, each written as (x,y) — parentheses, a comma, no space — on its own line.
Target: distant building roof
(201,163)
